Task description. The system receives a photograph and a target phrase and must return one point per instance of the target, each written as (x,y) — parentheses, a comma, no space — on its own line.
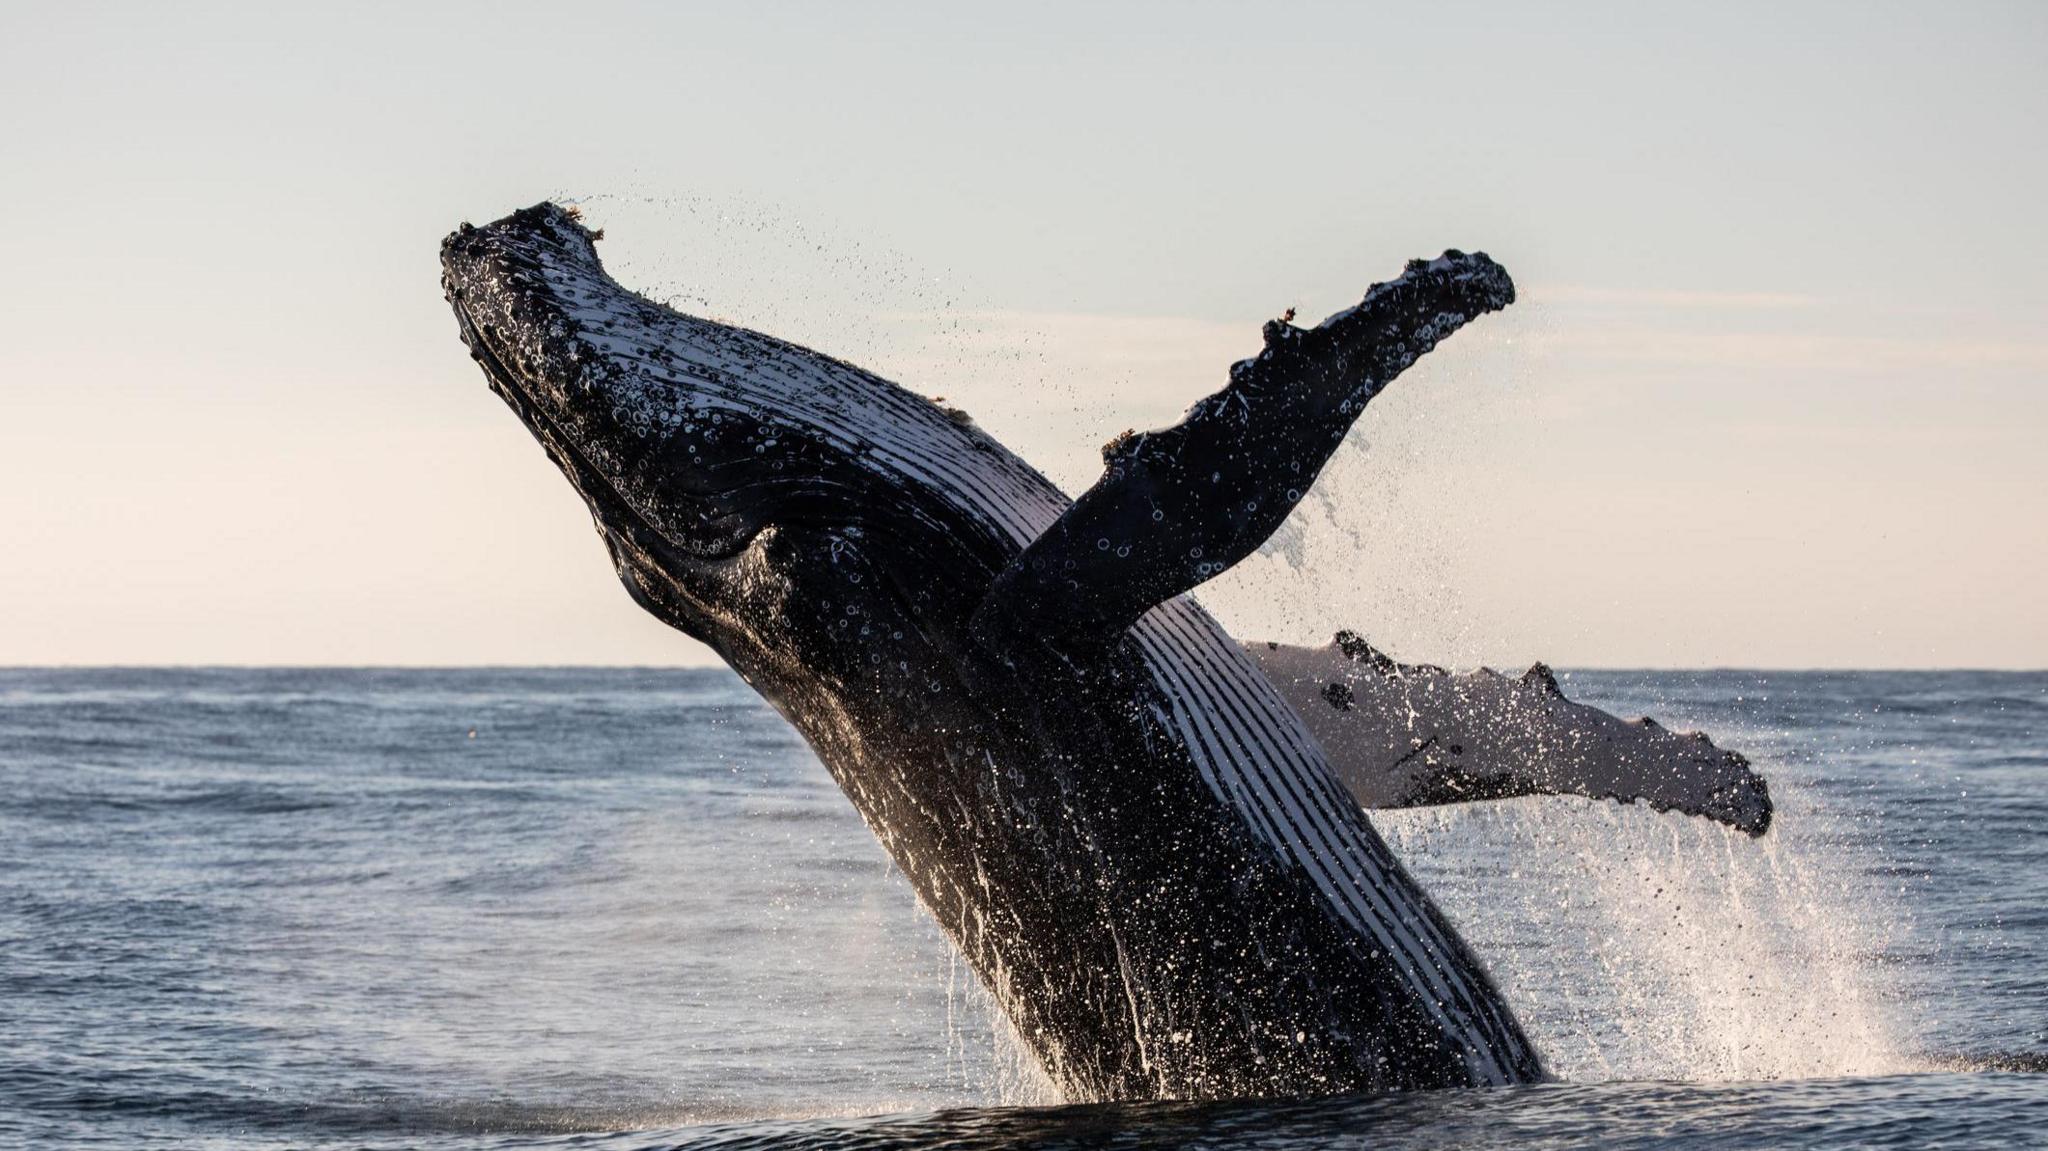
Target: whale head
(736,478)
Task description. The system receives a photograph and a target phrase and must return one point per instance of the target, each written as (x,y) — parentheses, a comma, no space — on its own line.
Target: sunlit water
(284,908)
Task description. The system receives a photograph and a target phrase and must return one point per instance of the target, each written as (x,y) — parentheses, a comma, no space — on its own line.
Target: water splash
(992,1062)
(1635,946)
(1638,946)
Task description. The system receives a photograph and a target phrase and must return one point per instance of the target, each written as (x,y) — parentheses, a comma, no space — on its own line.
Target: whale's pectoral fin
(1404,735)
(1178,506)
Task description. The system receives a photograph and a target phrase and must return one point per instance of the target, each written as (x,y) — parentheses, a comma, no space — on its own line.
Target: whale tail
(1181,505)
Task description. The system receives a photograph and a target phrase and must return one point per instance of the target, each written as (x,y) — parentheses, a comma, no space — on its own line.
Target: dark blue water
(310,908)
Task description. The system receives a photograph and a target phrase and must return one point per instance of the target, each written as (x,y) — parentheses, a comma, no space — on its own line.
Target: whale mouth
(632,538)
(595,488)
(496,263)
(567,348)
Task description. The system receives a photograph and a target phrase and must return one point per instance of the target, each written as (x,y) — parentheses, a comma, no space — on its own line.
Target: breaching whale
(1128,830)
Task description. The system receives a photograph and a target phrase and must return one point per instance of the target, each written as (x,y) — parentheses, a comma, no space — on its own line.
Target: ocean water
(627,909)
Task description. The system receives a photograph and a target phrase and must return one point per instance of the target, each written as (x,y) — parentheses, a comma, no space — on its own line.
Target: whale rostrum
(1134,835)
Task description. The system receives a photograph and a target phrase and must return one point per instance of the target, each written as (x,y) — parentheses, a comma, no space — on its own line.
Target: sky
(1774,396)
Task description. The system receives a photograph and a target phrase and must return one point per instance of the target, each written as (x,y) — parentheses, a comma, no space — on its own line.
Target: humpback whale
(1123,823)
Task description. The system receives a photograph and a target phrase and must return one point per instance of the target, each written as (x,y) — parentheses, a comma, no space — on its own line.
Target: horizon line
(1795,669)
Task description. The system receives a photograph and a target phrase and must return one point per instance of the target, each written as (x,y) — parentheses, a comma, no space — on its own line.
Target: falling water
(1645,946)
(1635,946)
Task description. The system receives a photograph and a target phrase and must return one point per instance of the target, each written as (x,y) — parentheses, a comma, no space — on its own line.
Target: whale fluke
(1411,735)
(1181,505)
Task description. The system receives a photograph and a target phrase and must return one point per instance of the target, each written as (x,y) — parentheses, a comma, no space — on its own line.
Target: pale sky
(1775,395)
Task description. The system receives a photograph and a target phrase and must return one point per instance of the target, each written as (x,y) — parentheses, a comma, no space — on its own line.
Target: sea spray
(1633,945)
(1645,946)
(991,1061)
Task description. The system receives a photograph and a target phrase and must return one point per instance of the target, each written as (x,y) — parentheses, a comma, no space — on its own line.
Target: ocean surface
(627,909)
